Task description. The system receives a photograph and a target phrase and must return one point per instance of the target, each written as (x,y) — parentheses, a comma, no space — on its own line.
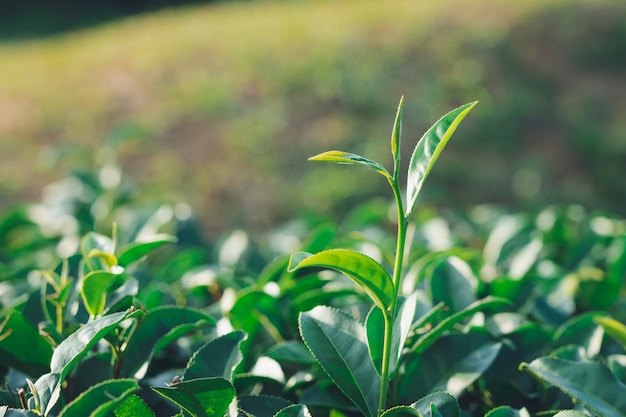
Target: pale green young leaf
(96,284)
(613,328)
(428,149)
(396,138)
(339,344)
(591,383)
(137,250)
(340,157)
(362,269)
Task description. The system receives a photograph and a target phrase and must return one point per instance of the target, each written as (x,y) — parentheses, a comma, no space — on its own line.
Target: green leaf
(217,358)
(507,412)
(160,327)
(47,388)
(401,411)
(96,284)
(613,328)
(396,136)
(375,326)
(362,269)
(589,382)
(339,343)
(137,250)
(291,352)
(12,412)
(21,345)
(295,410)
(446,405)
(341,157)
(206,397)
(73,349)
(262,405)
(108,393)
(570,413)
(451,364)
(427,151)
(454,283)
(133,406)
(429,338)
(98,251)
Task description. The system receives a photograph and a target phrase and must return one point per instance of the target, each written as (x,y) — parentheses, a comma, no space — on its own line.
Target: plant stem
(391,313)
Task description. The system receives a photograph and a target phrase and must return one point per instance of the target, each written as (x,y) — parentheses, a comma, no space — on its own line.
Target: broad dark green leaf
(137,250)
(589,382)
(339,343)
(160,327)
(217,358)
(451,364)
(341,157)
(295,410)
(613,328)
(427,151)
(396,136)
(507,412)
(291,352)
(453,283)
(21,345)
(401,411)
(262,405)
(429,338)
(206,397)
(133,406)
(96,284)
(375,326)
(582,330)
(617,365)
(105,395)
(446,405)
(362,269)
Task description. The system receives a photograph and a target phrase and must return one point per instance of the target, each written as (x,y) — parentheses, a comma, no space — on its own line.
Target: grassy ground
(220,105)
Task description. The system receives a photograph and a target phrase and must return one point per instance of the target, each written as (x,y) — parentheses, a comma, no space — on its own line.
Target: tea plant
(455,314)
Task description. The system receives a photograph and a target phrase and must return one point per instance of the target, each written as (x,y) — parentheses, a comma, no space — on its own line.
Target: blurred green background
(220,104)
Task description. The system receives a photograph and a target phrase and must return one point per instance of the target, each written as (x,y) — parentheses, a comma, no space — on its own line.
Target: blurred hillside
(220,105)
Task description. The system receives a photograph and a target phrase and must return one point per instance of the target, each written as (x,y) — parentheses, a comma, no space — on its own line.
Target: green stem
(390,314)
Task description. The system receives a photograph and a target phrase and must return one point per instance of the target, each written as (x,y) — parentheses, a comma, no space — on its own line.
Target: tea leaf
(295,410)
(613,328)
(396,136)
(339,344)
(362,269)
(445,404)
(21,345)
(102,397)
(341,157)
(94,290)
(589,382)
(133,406)
(374,325)
(137,250)
(217,358)
(401,411)
(428,149)
(206,397)
(160,327)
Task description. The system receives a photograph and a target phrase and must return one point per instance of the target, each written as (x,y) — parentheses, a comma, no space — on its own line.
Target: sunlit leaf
(613,328)
(206,397)
(96,284)
(133,406)
(217,358)
(137,250)
(362,269)
(427,151)
(103,397)
(396,136)
(341,157)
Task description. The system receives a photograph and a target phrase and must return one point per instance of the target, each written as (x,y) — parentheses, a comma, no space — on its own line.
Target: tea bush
(475,313)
